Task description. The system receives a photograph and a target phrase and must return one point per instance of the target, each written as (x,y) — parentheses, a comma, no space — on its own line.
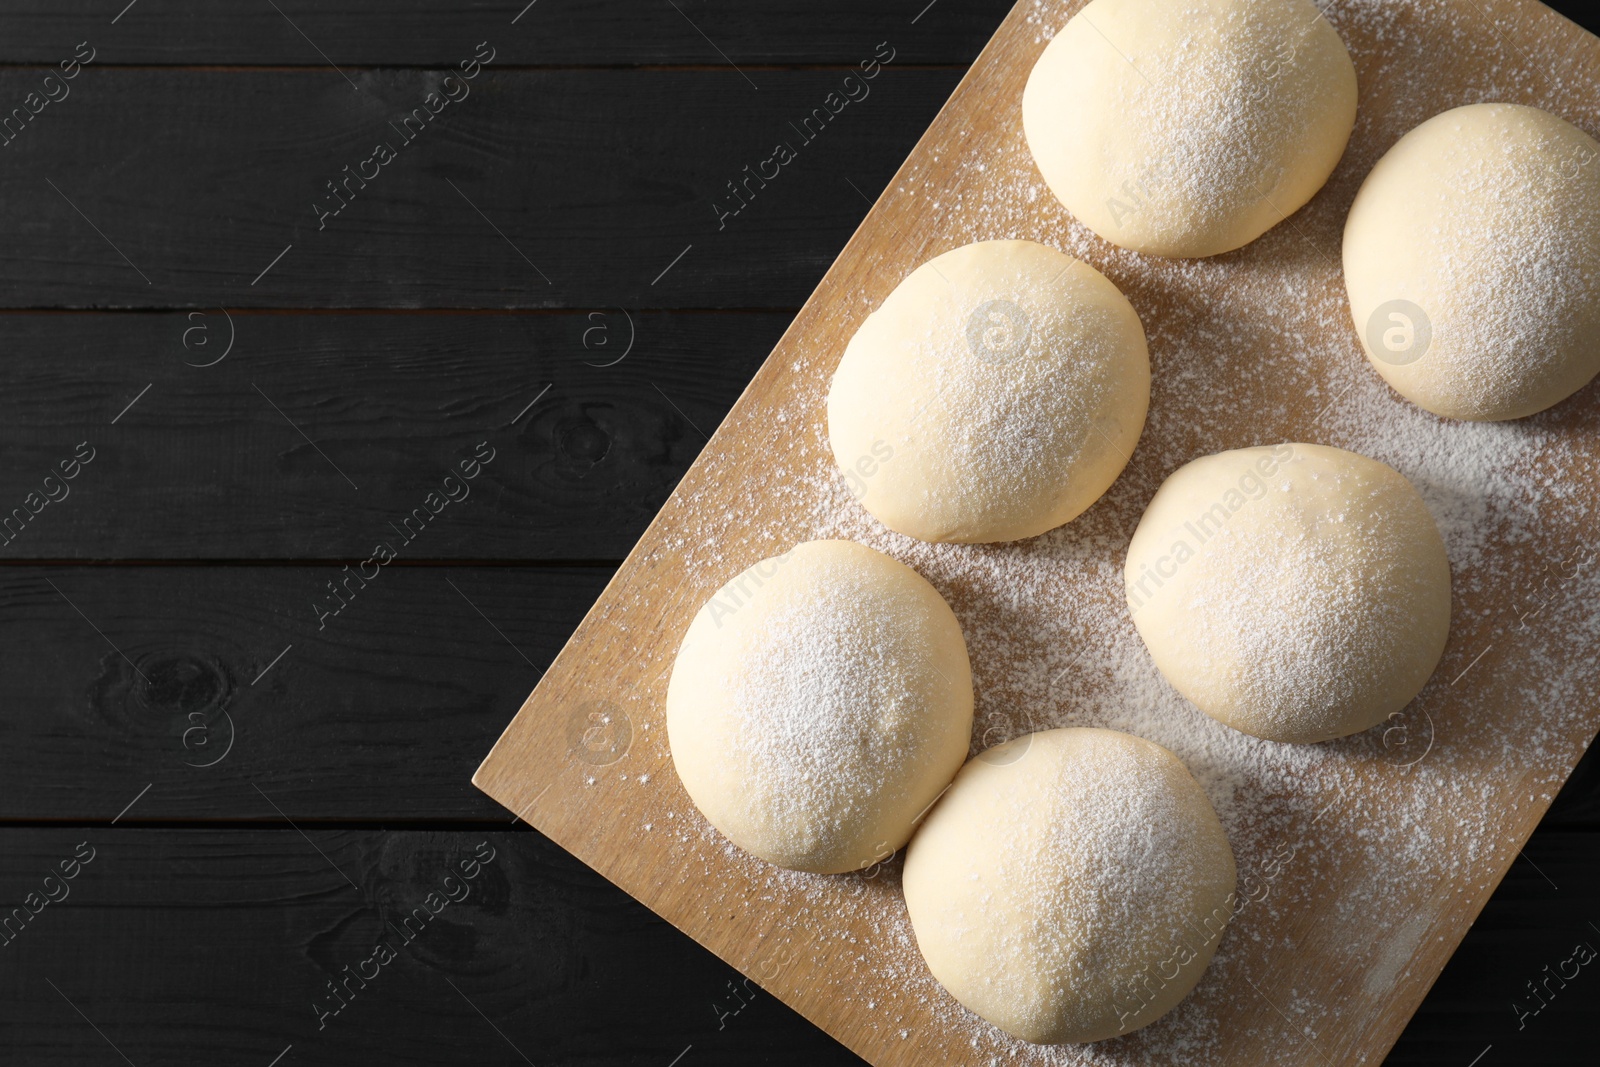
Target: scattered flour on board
(1372,835)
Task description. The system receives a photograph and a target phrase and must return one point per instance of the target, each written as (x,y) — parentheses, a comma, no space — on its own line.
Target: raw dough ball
(1295,592)
(819,703)
(1189,128)
(1073,892)
(1472,259)
(996,394)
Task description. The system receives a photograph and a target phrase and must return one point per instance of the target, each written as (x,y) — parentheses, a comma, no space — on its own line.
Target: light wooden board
(1368,858)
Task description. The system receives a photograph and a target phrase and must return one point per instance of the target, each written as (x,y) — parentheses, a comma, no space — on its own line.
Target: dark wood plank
(434,32)
(207,946)
(1577,806)
(1543,908)
(381,710)
(183,188)
(206,463)
(218,947)
(183,679)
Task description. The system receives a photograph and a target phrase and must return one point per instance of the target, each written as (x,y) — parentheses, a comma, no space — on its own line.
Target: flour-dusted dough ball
(1072,888)
(1189,127)
(1294,592)
(819,703)
(996,394)
(1472,259)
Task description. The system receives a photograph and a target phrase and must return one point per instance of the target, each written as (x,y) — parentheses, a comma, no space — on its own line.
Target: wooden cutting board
(1364,860)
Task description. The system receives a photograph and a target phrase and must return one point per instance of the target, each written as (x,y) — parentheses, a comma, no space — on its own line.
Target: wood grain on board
(239,929)
(209,925)
(413,665)
(835,949)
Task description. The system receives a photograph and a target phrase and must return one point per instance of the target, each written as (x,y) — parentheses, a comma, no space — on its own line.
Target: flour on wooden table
(1414,809)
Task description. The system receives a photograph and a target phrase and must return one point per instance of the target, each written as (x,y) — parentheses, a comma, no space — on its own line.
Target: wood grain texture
(1538,914)
(576,188)
(1357,971)
(378,716)
(240,930)
(184,679)
(1577,807)
(243,459)
(423,33)
(379,725)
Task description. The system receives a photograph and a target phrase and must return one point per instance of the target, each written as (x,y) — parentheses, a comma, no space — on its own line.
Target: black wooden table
(286,281)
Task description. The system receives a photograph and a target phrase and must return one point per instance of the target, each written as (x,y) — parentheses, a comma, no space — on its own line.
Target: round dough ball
(1189,128)
(1472,259)
(996,394)
(1073,891)
(1294,592)
(819,703)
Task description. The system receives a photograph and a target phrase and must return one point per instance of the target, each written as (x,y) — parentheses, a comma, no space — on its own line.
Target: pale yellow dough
(996,394)
(1071,886)
(819,703)
(1472,260)
(1294,592)
(1189,127)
